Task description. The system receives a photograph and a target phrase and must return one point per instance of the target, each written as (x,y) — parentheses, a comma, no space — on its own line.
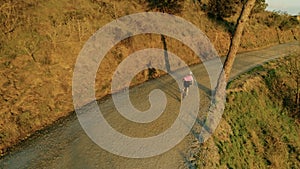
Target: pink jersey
(188,78)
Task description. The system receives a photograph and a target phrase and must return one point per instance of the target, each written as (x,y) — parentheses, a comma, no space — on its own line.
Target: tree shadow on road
(205,89)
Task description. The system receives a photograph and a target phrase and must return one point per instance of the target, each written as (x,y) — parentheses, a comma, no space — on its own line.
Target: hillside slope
(41,40)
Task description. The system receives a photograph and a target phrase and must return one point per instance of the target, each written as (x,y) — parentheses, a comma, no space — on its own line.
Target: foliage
(289,23)
(260,6)
(166,6)
(279,19)
(263,132)
(222,8)
(283,89)
(227,8)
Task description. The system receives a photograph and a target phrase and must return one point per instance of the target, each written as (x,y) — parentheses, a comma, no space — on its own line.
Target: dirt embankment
(43,38)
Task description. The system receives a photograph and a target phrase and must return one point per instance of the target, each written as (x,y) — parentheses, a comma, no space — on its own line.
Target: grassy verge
(264,125)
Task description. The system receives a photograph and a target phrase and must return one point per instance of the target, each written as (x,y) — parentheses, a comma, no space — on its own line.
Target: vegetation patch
(262,112)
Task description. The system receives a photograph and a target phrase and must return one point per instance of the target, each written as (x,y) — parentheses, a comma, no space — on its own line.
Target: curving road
(65,144)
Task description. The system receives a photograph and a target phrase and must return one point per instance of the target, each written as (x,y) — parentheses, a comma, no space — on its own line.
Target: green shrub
(289,23)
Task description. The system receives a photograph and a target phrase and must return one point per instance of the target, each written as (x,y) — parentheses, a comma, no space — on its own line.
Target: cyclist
(187,82)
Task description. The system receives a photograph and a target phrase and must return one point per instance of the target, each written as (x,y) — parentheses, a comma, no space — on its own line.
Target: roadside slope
(262,118)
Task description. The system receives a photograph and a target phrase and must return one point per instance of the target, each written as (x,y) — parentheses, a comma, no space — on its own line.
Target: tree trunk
(278,35)
(234,46)
(236,40)
(218,102)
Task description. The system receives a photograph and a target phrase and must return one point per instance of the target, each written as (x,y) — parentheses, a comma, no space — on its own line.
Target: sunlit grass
(264,135)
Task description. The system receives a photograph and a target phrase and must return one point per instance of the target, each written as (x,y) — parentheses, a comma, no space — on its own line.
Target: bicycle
(184,93)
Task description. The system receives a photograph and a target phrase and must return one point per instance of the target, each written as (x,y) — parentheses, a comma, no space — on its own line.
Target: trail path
(65,145)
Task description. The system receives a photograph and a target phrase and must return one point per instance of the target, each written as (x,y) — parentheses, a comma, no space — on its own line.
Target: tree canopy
(165,6)
(227,8)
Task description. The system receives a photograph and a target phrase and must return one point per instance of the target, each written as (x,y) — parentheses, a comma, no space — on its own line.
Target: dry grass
(40,41)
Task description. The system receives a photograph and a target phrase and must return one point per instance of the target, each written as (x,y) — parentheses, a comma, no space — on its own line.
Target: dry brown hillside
(40,41)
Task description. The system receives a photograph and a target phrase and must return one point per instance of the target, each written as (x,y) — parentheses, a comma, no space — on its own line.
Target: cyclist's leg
(183,93)
(187,91)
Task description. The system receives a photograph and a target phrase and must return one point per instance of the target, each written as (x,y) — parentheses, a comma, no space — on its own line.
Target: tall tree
(236,39)
(217,106)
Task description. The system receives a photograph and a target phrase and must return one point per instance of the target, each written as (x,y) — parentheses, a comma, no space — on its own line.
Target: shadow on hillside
(228,26)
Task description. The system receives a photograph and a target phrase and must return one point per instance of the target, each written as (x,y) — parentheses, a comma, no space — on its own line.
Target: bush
(222,8)
(260,6)
(165,6)
(289,23)
(227,8)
